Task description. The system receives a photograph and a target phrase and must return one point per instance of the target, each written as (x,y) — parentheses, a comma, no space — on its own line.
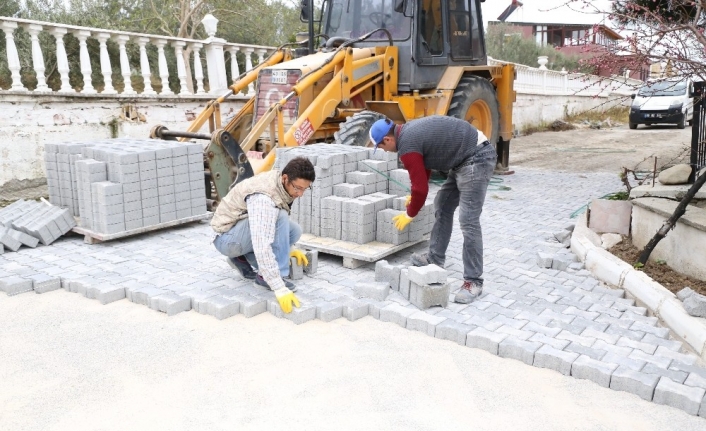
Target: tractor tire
(354,131)
(475,101)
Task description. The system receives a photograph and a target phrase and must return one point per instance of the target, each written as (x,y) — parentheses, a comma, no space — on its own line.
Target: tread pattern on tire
(469,89)
(354,131)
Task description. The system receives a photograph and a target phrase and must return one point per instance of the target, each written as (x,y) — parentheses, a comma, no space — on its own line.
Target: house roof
(546,12)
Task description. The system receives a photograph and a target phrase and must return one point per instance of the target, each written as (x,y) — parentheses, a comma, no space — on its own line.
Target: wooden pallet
(92,237)
(354,255)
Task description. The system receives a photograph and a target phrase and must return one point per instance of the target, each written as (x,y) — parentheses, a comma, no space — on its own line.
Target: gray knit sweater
(443,142)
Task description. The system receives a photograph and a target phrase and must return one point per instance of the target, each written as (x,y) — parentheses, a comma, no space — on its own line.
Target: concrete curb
(662,303)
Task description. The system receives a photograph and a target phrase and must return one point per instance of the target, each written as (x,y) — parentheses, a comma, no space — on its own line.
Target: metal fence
(698,131)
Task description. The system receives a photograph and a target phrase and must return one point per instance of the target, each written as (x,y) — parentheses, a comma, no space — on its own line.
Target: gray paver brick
(669,344)
(517,333)
(584,341)
(659,361)
(554,342)
(106,293)
(169,303)
(516,348)
(354,310)
(299,315)
(424,322)
(617,350)
(554,359)
(453,331)
(15,285)
(585,367)
(396,313)
(608,338)
(327,312)
(628,380)
(633,364)
(625,333)
(546,330)
(695,380)
(592,353)
(677,395)
(683,358)
(373,290)
(141,296)
(481,338)
(645,347)
(676,376)
(650,329)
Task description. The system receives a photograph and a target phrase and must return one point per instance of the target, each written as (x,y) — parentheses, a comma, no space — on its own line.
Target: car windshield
(664,88)
(354,18)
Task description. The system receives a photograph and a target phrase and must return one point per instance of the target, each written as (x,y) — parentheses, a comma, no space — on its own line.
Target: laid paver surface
(563,320)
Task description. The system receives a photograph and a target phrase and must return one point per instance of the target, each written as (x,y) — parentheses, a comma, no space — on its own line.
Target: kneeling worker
(254,230)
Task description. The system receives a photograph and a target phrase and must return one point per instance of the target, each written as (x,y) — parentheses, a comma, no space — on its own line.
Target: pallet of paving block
(353,254)
(92,237)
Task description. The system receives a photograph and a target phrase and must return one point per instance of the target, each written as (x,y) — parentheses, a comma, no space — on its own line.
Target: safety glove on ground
(407,200)
(401,221)
(286,299)
(299,256)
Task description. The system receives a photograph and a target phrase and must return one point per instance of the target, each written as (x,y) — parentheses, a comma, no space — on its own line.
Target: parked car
(663,102)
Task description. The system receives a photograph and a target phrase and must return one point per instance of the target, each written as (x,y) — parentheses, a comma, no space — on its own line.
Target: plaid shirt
(263,214)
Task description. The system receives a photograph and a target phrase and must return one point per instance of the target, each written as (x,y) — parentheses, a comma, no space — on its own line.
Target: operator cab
(430,34)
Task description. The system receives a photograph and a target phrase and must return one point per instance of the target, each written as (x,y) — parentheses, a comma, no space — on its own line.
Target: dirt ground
(602,150)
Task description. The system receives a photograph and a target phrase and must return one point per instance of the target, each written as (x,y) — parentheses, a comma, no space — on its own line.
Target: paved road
(354,374)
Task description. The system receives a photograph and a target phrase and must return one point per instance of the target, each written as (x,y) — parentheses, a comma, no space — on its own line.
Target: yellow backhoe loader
(403,59)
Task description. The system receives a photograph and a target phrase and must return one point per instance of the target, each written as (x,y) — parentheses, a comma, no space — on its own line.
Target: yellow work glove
(286,299)
(408,200)
(300,257)
(401,221)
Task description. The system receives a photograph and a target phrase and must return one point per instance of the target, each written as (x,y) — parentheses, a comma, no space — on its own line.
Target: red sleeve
(414,163)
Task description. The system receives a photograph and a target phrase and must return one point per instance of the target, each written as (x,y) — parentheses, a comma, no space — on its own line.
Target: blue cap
(379,130)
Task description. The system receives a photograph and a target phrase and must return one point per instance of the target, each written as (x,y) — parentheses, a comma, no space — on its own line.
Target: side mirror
(304,13)
(400,5)
(632,96)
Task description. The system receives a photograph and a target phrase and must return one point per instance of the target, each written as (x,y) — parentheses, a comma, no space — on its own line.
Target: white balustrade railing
(534,80)
(212,50)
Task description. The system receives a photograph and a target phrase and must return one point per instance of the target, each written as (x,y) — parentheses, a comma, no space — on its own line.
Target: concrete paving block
(429,295)
(396,313)
(23,238)
(106,293)
(299,315)
(373,290)
(43,283)
(695,380)
(169,303)
(628,380)
(142,295)
(554,359)
(676,376)
(659,361)
(682,358)
(313,258)
(10,242)
(516,348)
(587,368)
(453,331)
(424,322)
(218,307)
(645,347)
(296,271)
(14,285)
(389,273)
(354,310)
(669,344)
(481,338)
(251,306)
(404,283)
(683,397)
(592,353)
(544,260)
(428,274)
(327,312)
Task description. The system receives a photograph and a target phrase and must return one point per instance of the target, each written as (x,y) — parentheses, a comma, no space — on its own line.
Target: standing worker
(453,145)
(254,229)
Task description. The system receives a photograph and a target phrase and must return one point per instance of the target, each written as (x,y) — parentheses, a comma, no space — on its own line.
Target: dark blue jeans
(465,188)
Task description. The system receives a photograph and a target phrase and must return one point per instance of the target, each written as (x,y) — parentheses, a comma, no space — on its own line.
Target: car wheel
(682,123)
(633,126)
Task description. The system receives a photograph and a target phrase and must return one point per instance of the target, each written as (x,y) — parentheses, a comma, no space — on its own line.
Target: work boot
(239,263)
(420,259)
(261,282)
(468,293)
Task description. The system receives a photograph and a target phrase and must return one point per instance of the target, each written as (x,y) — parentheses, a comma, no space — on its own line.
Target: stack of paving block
(29,222)
(350,195)
(124,184)
(423,286)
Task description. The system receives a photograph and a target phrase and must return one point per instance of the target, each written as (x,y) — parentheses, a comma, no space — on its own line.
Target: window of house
(541,35)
